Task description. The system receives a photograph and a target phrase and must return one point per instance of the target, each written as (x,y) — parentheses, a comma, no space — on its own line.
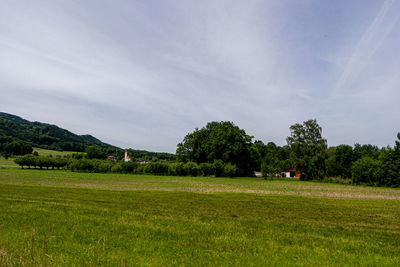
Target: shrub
(43,161)
(20,161)
(129,167)
(157,168)
(26,160)
(117,168)
(316,168)
(93,152)
(207,169)
(367,171)
(81,165)
(103,166)
(230,170)
(218,168)
(140,169)
(172,169)
(192,169)
(60,162)
(180,169)
(390,163)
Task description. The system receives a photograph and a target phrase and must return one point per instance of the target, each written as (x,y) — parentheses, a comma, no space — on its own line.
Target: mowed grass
(48,152)
(7,163)
(193,184)
(61,218)
(60,226)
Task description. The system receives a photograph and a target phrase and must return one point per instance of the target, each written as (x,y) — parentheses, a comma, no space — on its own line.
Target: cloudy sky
(143,74)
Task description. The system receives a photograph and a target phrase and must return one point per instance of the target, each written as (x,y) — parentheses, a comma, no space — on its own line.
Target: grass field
(48,152)
(76,219)
(7,163)
(193,184)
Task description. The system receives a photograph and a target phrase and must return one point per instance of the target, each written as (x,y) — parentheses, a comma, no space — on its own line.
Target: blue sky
(143,74)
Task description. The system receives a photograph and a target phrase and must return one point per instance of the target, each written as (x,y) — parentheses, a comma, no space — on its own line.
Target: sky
(143,74)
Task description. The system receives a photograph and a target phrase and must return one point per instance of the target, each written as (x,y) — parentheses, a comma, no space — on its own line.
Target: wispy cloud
(143,74)
(370,42)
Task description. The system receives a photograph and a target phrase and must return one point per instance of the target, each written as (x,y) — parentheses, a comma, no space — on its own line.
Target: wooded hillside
(46,135)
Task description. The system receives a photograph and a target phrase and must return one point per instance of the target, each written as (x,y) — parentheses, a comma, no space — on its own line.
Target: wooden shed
(290,172)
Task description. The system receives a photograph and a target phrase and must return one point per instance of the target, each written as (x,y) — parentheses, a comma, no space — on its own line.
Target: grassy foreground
(193,184)
(7,163)
(63,226)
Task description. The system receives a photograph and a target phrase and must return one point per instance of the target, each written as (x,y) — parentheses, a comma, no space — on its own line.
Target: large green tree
(307,145)
(275,159)
(93,152)
(340,161)
(218,141)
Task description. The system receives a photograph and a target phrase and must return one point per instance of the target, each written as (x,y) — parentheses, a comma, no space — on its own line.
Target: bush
(43,161)
(60,162)
(207,169)
(93,152)
(140,169)
(192,169)
(27,160)
(172,169)
(157,168)
(180,169)
(390,163)
(129,167)
(78,155)
(230,170)
(81,165)
(316,168)
(367,171)
(117,168)
(218,168)
(103,166)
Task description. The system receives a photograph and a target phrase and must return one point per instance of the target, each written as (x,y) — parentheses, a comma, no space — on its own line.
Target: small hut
(290,173)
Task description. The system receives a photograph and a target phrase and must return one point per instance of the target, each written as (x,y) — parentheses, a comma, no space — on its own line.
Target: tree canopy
(13,146)
(93,152)
(307,145)
(218,141)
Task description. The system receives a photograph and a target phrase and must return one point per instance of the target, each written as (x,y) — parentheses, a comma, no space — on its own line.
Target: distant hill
(47,136)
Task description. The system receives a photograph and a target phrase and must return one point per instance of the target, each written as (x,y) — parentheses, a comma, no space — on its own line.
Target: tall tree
(218,141)
(93,152)
(306,142)
(340,161)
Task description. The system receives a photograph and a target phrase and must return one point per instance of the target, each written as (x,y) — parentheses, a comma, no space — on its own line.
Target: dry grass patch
(194,184)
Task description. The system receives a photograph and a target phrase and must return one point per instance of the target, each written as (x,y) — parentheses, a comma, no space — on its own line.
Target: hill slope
(47,136)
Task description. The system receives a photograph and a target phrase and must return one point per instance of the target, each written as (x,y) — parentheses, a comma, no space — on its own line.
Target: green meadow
(48,152)
(7,163)
(61,218)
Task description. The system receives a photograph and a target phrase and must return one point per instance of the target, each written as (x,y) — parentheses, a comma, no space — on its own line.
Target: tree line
(306,151)
(84,164)
(13,146)
(363,164)
(223,149)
